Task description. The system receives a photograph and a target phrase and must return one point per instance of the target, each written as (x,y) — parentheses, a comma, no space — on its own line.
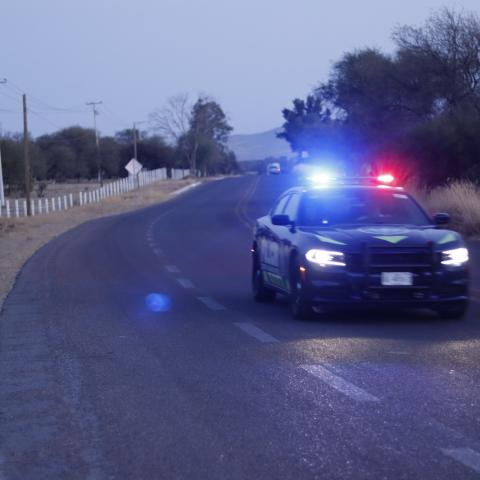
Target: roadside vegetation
(70,153)
(461,199)
(414,112)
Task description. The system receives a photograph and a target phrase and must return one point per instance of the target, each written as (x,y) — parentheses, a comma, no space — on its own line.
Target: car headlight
(326,258)
(455,257)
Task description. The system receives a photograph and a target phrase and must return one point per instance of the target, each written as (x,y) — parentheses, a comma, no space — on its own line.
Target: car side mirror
(281,220)
(441,218)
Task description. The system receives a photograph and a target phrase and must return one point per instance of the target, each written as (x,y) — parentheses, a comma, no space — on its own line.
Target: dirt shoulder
(21,237)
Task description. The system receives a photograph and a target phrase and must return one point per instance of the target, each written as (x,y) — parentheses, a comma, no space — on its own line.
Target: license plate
(397,279)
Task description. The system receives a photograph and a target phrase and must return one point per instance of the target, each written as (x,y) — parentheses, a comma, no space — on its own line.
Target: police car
(358,243)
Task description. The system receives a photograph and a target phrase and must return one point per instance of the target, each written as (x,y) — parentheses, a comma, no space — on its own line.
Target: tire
(261,293)
(453,312)
(300,307)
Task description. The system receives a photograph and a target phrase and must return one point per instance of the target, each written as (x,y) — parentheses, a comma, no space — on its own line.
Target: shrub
(461,199)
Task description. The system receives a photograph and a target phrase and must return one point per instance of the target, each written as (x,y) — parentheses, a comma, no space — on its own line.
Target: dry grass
(461,199)
(20,238)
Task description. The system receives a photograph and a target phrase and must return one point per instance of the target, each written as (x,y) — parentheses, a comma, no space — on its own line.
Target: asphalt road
(131,348)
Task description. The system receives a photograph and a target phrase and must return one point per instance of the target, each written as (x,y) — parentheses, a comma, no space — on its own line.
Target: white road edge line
(172,269)
(184,189)
(211,303)
(256,332)
(185,283)
(470,458)
(339,383)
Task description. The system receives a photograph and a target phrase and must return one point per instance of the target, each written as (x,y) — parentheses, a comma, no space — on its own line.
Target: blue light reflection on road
(158,302)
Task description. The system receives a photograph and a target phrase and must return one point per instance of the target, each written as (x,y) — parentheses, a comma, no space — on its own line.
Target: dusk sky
(253,56)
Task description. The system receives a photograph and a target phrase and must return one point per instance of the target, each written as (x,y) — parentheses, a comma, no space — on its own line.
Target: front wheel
(261,293)
(300,307)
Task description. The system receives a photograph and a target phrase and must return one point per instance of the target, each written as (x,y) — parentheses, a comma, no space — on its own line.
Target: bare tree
(449,44)
(172,121)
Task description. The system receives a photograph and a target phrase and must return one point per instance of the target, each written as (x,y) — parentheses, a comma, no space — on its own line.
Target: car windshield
(359,207)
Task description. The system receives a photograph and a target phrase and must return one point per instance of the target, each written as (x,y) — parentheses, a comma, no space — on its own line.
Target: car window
(292,207)
(280,206)
(360,207)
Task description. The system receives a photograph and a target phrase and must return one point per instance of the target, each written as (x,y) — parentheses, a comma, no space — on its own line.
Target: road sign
(133,167)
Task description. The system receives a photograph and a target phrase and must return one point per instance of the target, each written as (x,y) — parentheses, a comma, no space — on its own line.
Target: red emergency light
(385,178)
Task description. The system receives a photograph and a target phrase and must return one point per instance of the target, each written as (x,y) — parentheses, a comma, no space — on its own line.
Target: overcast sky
(253,56)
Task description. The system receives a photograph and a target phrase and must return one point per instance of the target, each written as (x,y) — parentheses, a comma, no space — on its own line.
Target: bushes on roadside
(461,199)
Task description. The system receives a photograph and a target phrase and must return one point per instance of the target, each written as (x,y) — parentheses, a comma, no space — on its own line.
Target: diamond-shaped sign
(133,167)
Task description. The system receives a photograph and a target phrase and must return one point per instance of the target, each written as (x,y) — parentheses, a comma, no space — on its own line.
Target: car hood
(346,237)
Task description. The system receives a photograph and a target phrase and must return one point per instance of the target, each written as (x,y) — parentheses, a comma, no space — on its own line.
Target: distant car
(358,245)
(273,168)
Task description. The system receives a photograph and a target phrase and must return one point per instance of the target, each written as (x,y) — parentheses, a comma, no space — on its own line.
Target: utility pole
(2,191)
(135,138)
(97,142)
(26,157)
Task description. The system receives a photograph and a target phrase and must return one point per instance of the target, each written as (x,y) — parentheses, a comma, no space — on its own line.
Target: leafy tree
(418,108)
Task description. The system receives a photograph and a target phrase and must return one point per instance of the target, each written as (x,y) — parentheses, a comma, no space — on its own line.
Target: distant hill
(258,146)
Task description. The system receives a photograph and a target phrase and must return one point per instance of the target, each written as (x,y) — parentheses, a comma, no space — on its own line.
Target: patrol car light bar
(326,258)
(326,178)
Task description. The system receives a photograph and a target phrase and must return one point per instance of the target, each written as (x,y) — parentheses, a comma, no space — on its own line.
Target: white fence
(40,206)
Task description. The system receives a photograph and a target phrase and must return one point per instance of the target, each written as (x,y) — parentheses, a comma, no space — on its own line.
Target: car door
(269,245)
(287,237)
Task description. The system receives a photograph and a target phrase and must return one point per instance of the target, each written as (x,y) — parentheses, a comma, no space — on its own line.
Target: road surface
(130,348)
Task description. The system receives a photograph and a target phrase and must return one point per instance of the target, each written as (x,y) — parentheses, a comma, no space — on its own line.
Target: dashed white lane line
(211,303)
(158,251)
(172,269)
(470,458)
(185,283)
(339,383)
(256,332)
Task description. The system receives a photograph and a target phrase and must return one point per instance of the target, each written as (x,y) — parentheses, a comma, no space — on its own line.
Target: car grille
(391,259)
(370,264)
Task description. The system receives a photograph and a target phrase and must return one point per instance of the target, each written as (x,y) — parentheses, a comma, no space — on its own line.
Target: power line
(33,99)
(116,118)
(44,118)
(9,96)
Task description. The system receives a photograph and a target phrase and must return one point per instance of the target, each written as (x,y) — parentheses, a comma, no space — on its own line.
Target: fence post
(53,204)
(71,200)
(32,206)
(59,203)
(17,210)
(46,206)
(7,203)
(39,202)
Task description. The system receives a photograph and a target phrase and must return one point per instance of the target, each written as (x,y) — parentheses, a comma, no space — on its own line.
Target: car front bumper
(335,287)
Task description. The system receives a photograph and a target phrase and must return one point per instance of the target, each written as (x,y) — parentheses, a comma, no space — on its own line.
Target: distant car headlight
(455,257)
(326,258)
